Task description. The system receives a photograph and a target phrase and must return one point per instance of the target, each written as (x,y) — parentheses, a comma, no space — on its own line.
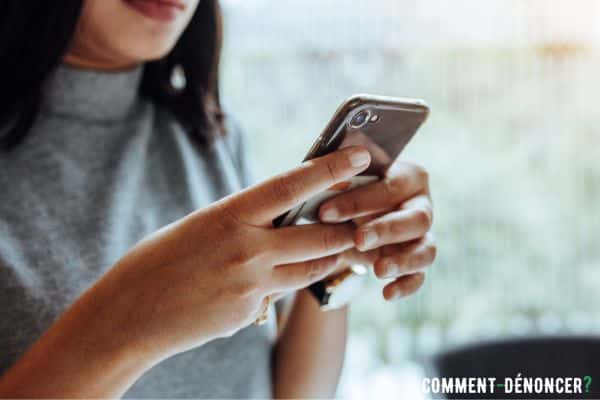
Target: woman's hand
(394,217)
(203,277)
(207,275)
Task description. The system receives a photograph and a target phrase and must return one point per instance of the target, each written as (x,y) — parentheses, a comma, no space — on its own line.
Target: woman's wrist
(308,365)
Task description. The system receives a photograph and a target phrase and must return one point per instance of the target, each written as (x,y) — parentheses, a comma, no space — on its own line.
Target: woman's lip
(160,10)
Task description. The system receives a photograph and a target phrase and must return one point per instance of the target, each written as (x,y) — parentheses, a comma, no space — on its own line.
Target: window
(511,145)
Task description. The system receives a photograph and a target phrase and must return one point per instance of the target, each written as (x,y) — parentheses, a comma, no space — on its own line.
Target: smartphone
(383,125)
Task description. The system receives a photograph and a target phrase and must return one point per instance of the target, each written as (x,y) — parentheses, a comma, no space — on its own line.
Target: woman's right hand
(206,276)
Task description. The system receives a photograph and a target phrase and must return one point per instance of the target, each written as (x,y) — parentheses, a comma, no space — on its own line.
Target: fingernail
(395,295)
(359,158)
(369,239)
(330,214)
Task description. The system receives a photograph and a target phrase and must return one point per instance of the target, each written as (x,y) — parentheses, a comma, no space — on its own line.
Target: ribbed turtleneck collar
(92,95)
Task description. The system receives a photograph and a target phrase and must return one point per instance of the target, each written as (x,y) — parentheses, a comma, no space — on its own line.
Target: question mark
(588,382)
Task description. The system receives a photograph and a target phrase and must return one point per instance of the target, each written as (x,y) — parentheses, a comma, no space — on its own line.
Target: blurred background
(512,146)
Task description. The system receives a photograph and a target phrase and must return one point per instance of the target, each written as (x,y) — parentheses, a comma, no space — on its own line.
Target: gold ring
(264,315)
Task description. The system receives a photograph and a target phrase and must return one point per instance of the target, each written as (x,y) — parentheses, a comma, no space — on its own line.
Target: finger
(403,286)
(306,242)
(300,275)
(367,258)
(401,260)
(402,181)
(262,203)
(422,201)
(398,226)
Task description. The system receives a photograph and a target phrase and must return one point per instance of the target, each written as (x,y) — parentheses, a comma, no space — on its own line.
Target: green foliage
(512,147)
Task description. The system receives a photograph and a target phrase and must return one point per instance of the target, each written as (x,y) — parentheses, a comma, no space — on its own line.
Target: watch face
(341,289)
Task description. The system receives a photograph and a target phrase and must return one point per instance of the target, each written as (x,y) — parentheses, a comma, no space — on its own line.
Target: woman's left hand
(394,217)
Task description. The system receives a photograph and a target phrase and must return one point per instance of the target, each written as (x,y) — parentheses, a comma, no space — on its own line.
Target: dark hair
(35,35)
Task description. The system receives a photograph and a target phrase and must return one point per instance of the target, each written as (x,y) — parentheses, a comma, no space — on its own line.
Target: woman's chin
(148,51)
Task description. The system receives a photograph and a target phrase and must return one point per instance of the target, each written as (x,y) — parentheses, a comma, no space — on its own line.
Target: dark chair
(532,357)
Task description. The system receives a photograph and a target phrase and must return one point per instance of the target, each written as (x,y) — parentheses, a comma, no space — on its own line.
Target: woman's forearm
(310,351)
(86,353)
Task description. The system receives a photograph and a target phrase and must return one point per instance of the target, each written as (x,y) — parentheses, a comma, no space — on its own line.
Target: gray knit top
(101,169)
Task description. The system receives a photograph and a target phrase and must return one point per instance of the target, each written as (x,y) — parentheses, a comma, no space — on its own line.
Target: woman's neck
(82,61)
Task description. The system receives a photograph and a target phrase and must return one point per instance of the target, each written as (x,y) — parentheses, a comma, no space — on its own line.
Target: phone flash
(374,118)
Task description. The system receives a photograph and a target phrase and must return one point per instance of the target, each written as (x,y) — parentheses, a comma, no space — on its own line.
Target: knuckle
(388,230)
(331,168)
(392,187)
(420,278)
(243,254)
(392,229)
(285,189)
(229,219)
(413,283)
(243,289)
(314,269)
(261,246)
(419,260)
(380,268)
(248,288)
(421,173)
(419,256)
(350,205)
(331,240)
(239,256)
(423,218)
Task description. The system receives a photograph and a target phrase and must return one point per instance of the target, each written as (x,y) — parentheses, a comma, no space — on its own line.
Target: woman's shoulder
(235,139)
(232,131)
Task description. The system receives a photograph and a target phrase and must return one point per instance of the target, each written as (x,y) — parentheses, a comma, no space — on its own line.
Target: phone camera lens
(360,119)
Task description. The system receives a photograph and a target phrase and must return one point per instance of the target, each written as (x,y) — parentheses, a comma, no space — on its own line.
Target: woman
(101,148)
